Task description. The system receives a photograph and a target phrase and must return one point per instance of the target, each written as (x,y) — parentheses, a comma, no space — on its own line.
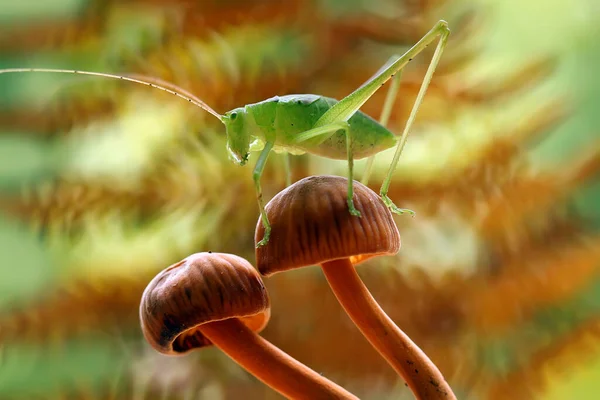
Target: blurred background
(104,183)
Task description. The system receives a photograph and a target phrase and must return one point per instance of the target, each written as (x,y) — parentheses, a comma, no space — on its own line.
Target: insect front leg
(258,170)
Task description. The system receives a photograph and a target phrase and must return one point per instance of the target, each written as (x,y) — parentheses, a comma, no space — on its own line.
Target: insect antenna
(135,78)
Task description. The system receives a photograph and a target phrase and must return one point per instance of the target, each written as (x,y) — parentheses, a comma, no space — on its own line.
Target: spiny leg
(386,183)
(258,170)
(390,98)
(349,141)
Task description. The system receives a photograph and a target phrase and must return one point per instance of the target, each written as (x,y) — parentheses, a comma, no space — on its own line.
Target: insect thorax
(287,115)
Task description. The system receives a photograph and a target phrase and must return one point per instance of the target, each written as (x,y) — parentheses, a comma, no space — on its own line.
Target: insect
(307,123)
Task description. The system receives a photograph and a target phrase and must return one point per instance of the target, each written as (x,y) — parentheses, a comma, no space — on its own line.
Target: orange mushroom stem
(410,362)
(214,298)
(311,225)
(269,364)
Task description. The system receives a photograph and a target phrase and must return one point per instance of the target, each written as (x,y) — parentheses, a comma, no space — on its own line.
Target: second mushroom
(216,298)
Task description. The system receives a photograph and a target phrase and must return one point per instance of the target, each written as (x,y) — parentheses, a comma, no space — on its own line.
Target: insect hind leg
(349,105)
(444,33)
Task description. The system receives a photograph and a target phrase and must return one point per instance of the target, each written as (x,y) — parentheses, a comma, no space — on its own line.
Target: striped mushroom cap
(311,224)
(201,288)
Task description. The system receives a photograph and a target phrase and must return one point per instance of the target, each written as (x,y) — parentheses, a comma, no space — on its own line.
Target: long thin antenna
(143,80)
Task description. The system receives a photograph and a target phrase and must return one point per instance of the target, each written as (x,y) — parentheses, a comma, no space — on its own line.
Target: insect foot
(352,209)
(265,238)
(390,204)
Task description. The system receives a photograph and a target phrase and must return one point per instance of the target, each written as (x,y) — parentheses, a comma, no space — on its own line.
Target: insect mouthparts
(245,158)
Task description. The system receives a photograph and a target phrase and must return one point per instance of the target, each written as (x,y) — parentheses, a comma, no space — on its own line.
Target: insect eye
(233,116)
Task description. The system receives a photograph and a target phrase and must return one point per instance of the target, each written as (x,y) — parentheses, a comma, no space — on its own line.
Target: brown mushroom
(310,224)
(220,299)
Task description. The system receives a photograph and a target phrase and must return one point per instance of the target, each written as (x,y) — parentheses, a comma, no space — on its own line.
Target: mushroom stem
(270,364)
(410,362)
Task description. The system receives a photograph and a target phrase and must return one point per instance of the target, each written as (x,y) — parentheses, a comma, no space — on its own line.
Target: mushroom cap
(201,288)
(311,224)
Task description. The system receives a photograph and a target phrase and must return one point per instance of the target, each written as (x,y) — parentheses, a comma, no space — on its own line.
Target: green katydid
(310,123)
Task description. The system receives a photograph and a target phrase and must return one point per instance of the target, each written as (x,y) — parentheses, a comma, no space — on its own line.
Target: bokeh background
(105,183)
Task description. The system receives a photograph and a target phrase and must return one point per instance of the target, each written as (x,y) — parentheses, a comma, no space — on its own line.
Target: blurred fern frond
(497,277)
